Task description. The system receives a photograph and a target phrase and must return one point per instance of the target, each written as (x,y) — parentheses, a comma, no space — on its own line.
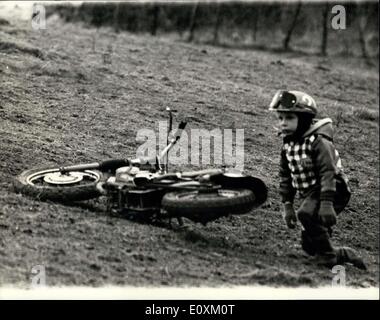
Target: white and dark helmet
(293,101)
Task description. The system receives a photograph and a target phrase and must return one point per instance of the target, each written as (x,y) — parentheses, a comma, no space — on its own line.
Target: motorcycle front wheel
(50,184)
(204,207)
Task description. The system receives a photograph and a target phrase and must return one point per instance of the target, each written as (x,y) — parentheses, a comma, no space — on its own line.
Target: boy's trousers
(315,238)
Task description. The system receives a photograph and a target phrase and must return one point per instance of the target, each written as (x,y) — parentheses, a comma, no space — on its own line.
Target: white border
(188,293)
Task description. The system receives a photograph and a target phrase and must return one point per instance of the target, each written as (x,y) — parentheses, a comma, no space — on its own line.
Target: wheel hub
(67,178)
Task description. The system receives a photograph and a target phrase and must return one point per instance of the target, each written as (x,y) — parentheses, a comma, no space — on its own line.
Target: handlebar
(113,164)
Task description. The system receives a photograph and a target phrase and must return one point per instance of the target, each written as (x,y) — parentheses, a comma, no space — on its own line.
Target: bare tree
(292,26)
(362,19)
(155,13)
(116,16)
(325,28)
(193,21)
(256,16)
(218,21)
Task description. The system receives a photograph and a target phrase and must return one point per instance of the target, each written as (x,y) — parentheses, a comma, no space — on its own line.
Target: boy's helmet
(293,101)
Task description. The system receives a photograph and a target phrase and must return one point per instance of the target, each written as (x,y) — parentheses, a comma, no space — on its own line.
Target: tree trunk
(193,21)
(217,24)
(155,12)
(362,43)
(362,24)
(292,26)
(325,28)
(116,17)
(256,23)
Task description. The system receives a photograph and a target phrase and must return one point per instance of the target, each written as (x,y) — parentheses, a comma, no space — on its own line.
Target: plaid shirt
(310,162)
(304,164)
(300,163)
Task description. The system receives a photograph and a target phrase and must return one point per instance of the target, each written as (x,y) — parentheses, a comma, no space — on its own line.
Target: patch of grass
(364,113)
(4,22)
(353,114)
(12,47)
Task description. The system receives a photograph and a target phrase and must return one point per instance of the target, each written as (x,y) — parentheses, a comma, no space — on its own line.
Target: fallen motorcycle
(143,188)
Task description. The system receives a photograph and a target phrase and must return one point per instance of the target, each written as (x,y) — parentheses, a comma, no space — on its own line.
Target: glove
(290,215)
(327,214)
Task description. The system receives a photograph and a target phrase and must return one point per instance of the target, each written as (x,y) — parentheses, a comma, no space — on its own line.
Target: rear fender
(241,181)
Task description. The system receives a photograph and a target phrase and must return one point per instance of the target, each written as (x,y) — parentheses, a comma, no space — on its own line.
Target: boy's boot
(349,255)
(307,243)
(325,253)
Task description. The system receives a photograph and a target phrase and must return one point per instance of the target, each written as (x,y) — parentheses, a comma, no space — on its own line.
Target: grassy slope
(68,106)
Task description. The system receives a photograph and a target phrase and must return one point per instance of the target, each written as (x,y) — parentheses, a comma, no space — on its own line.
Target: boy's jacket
(311,162)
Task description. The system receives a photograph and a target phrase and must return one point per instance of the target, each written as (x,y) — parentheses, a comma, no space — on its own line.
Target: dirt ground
(61,103)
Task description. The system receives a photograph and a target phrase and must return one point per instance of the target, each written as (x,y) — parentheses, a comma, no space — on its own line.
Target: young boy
(310,164)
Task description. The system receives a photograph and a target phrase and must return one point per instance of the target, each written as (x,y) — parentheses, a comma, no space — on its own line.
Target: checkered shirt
(300,163)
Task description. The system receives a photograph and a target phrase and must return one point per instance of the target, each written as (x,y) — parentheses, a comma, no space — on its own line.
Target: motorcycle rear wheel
(39,183)
(205,207)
